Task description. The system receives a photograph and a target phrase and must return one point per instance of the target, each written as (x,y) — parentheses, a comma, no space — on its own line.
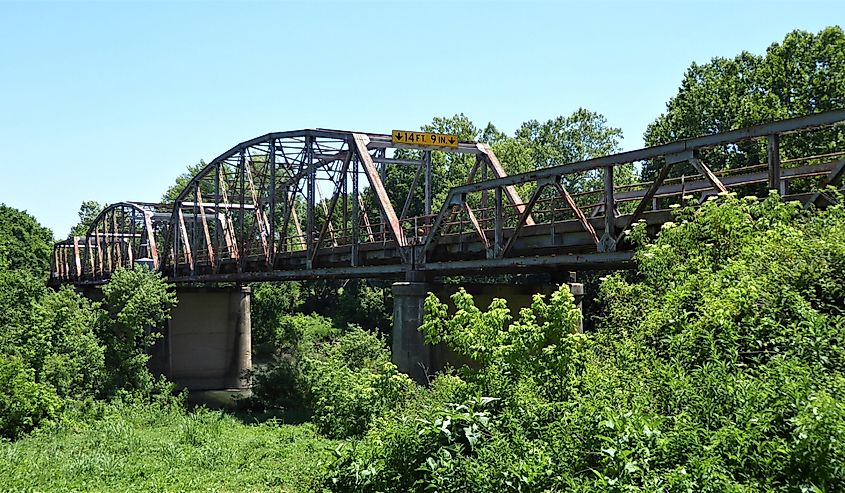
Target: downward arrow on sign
(398,136)
(451,140)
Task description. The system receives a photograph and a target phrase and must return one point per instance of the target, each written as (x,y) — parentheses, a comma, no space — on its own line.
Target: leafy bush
(717,369)
(24,403)
(61,345)
(280,384)
(351,380)
(136,303)
(270,303)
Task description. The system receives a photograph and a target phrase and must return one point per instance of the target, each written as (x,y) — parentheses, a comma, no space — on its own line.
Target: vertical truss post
(272,189)
(382,174)
(241,241)
(99,239)
(608,238)
(311,198)
(118,241)
(109,264)
(194,236)
(498,232)
(344,206)
(775,182)
(427,160)
(355,210)
(484,199)
(218,222)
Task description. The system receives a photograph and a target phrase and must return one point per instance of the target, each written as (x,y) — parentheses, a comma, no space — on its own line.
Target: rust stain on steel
(361,142)
(477,226)
(185,242)
(707,173)
(151,238)
(510,190)
(208,243)
(578,212)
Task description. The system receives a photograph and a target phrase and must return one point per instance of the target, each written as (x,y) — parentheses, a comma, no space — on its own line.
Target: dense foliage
(53,344)
(717,369)
(25,245)
(803,74)
(345,381)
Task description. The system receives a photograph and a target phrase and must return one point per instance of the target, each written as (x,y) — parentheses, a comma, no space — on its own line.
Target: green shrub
(24,403)
(61,345)
(136,304)
(716,367)
(350,381)
(280,384)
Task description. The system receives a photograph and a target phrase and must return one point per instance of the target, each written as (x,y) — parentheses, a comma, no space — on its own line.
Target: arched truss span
(310,204)
(301,200)
(122,235)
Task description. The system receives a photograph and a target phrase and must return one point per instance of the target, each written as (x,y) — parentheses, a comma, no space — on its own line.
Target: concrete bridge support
(412,355)
(207,343)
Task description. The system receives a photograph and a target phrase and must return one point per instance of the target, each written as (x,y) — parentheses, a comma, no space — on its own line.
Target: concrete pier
(410,353)
(207,342)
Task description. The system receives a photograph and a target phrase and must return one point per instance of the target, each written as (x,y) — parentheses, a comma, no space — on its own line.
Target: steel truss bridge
(313,204)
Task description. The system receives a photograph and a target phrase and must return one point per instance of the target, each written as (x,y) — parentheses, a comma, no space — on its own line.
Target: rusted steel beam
(366,219)
(229,227)
(118,246)
(151,240)
(780,127)
(644,202)
(206,231)
(77,259)
(577,211)
(523,217)
(708,174)
(478,229)
(376,184)
(499,172)
(411,190)
(261,221)
(186,244)
(833,179)
(296,223)
(773,149)
(608,237)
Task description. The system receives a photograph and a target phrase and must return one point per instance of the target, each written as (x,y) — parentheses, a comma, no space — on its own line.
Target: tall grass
(144,448)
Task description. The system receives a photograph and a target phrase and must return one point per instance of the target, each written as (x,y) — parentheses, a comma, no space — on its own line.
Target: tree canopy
(24,244)
(804,74)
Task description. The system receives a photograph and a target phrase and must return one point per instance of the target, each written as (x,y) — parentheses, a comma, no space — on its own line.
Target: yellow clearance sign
(426,139)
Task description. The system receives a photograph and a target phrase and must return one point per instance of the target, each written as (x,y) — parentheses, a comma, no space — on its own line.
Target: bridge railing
(605,208)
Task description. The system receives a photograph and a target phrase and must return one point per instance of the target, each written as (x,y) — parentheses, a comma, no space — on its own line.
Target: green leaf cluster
(716,366)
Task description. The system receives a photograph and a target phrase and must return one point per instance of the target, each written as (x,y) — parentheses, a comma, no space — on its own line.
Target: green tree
(88,212)
(804,74)
(182,181)
(24,244)
(136,304)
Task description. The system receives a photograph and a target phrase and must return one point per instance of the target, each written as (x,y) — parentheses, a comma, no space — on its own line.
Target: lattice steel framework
(312,204)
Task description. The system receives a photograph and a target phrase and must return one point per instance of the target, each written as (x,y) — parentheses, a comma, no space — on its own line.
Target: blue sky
(110,101)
